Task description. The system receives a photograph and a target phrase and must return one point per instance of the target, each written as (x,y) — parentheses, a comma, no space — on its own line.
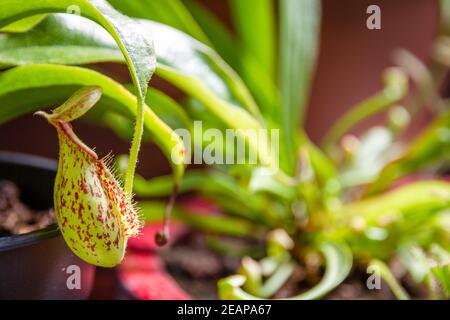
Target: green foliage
(257,33)
(299,40)
(430,147)
(395,86)
(54,81)
(169,12)
(338,261)
(137,50)
(336,203)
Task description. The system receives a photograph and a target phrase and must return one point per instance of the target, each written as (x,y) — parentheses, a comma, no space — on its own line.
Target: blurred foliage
(360,200)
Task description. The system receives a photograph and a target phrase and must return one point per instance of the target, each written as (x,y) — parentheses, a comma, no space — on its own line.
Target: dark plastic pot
(38,265)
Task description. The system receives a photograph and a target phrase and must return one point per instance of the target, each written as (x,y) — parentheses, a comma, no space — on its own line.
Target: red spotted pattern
(95,216)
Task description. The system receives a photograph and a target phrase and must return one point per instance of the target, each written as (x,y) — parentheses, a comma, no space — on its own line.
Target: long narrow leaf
(390,279)
(154,211)
(421,195)
(23,24)
(29,88)
(220,36)
(257,74)
(299,39)
(182,60)
(136,49)
(338,265)
(64,39)
(254,20)
(170,12)
(395,88)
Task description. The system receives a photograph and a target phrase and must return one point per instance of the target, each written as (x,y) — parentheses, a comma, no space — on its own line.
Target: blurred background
(351,61)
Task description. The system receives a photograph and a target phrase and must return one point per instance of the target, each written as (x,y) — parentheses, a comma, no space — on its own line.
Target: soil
(16,217)
(197,269)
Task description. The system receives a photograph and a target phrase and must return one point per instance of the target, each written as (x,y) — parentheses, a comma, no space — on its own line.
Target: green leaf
(442,274)
(299,40)
(217,186)
(68,40)
(262,86)
(23,24)
(441,268)
(221,38)
(154,211)
(389,278)
(170,12)
(59,39)
(431,146)
(369,158)
(262,180)
(229,114)
(182,55)
(419,266)
(338,260)
(374,227)
(253,72)
(205,77)
(395,88)
(136,49)
(28,88)
(168,110)
(415,260)
(254,20)
(195,180)
(418,196)
(276,280)
(324,168)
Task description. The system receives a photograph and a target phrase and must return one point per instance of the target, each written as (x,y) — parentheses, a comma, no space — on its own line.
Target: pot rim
(29,238)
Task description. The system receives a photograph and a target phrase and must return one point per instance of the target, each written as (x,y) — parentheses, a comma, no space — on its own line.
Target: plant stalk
(135,147)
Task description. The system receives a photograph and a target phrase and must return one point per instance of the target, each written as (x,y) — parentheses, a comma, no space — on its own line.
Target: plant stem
(135,146)
(390,280)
